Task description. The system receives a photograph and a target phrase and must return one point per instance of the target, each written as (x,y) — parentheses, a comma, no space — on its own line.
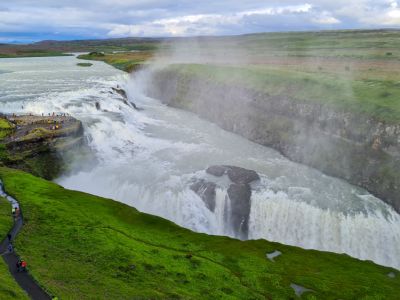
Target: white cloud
(201,24)
(186,17)
(326,19)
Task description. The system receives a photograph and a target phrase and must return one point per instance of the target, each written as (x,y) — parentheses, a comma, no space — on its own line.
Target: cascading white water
(148,159)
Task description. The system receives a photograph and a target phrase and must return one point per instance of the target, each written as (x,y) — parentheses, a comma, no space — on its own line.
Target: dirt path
(26,281)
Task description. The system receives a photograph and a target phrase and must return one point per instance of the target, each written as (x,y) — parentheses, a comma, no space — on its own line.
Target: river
(148,158)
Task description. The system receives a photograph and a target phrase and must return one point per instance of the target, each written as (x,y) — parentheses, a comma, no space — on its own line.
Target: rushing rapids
(150,158)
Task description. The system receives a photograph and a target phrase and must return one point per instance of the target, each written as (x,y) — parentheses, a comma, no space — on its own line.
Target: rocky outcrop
(240,196)
(206,191)
(236,174)
(38,144)
(124,96)
(238,193)
(357,148)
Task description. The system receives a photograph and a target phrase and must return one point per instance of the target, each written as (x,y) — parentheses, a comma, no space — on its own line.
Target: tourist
(23,265)
(17,211)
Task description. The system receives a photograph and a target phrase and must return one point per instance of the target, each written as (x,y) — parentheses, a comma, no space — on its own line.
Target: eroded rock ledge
(37,144)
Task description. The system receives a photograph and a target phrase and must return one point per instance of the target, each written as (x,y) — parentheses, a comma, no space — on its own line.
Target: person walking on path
(21,265)
(17,211)
(9,237)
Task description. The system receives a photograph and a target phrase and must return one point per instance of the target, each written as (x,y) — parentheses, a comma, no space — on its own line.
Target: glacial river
(148,158)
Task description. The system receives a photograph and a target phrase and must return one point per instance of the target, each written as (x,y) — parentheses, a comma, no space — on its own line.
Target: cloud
(325,18)
(105,18)
(204,24)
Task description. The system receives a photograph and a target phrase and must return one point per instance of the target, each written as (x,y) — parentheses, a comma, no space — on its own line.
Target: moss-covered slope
(84,247)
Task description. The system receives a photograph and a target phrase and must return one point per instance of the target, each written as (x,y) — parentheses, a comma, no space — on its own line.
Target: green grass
(125,61)
(32,53)
(378,99)
(5,128)
(84,247)
(6,221)
(9,289)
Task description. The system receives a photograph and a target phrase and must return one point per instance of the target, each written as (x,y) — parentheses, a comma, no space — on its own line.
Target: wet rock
(206,191)
(241,176)
(391,275)
(216,170)
(236,174)
(121,92)
(299,290)
(271,256)
(97,104)
(239,196)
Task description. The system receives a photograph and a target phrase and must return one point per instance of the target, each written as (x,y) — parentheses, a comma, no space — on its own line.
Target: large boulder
(216,170)
(242,176)
(236,174)
(206,191)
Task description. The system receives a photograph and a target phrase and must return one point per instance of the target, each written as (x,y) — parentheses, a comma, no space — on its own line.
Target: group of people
(21,264)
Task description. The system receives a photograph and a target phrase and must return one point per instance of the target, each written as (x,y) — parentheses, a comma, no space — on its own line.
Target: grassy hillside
(84,247)
(9,289)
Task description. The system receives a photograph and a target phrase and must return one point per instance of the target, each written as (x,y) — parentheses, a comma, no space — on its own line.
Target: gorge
(150,158)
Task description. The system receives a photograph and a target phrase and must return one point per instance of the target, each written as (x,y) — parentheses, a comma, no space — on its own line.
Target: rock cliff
(357,148)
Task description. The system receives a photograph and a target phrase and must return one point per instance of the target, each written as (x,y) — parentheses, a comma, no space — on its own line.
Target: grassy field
(59,48)
(356,71)
(30,53)
(378,99)
(9,289)
(5,128)
(84,247)
(126,61)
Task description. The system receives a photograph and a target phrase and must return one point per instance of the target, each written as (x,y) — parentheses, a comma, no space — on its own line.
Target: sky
(34,20)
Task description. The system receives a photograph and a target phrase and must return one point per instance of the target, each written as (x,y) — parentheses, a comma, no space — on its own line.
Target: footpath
(24,279)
